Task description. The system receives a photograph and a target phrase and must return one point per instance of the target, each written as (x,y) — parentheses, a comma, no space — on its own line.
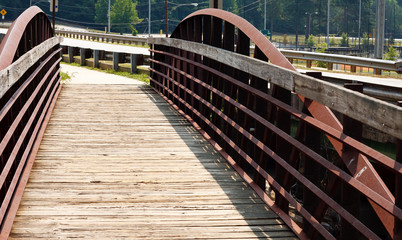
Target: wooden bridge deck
(117,162)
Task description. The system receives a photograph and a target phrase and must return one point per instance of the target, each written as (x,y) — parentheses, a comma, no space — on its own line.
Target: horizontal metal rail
(103,37)
(391,92)
(29,87)
(342,59)
(205,83)
(388,120)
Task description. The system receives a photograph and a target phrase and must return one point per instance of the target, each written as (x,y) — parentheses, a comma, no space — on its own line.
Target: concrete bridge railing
(29,86)
(306,164)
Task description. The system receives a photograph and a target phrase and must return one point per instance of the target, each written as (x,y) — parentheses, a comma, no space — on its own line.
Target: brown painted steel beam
(9,47)
(329,129)
(333,204)
(361,167)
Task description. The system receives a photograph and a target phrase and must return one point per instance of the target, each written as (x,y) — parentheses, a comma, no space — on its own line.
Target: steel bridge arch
(214,27)
(30,29)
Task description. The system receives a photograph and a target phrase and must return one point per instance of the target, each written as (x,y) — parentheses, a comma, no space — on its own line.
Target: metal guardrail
(103,37)
(242,106)
(29,86)
(376,64)
(331,59)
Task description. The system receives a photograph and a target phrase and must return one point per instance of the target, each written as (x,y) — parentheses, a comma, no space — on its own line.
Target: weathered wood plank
(111,168)
(13,73)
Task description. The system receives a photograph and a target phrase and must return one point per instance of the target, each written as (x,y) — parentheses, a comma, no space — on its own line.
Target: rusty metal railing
(304,163)
(29,86)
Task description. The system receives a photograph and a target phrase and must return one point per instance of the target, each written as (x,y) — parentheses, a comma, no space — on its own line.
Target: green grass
(141,77)
(65,78)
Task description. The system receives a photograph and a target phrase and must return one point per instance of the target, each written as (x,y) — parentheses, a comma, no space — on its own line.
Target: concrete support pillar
(133,60)
(115,61)
(82,56)
(309,63)
(70,54)
(96,59)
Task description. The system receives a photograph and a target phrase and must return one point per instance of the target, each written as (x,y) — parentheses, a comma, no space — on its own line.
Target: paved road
(381,81)
(80,75)
(104,46)
(138,50)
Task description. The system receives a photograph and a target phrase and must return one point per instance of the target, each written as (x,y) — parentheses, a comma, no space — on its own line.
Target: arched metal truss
(179,74)
(26,32)
(29,86)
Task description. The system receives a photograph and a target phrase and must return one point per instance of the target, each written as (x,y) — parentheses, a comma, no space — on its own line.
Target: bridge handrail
(28,90)
(102,36)
(348,102)
(198,80)
(346,60)
(15,71)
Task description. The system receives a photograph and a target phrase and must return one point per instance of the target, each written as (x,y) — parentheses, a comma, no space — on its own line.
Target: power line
(246,5)
(251,9)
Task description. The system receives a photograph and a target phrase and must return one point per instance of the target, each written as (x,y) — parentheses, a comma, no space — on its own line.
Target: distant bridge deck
(117,162)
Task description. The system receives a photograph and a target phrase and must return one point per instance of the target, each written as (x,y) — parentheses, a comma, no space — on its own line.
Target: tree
(230,6)
(321,48)
(345,40)
(101,9)
(77,12)
(123,15)
(391,54)
(13,8)
(310,41)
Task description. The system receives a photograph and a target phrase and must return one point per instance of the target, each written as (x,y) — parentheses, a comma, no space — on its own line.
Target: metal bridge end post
(350,198)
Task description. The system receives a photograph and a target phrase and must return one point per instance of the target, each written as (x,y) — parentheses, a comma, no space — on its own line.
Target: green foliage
(65,77)
(344,40)
(310,41)
(391,40)
(123,15)
(392,54)
(282,16)
(134,31)
(101,8)
(332,42)
(366,40)
(321,48)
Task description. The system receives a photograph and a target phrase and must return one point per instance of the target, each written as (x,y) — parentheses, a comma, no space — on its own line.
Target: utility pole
(379,29)
(297,23)
(108,18)
(54,15)
(265,15)
(360,18)
(328,13)
(166,18)
(149,18)
(216,4)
